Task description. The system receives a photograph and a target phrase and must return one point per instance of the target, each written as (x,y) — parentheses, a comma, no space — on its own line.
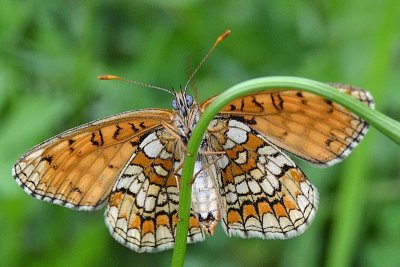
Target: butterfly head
(183,103)
(187,113)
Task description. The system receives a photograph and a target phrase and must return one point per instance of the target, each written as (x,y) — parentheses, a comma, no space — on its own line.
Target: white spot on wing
(237,124)
(148,139)
(133,170)
(242,188)
(273,168)
(150,203)
(242,158)
(237,135)
(267,188)
(254,187)
(151,146)
(223,162)
(160,170)
(267,150)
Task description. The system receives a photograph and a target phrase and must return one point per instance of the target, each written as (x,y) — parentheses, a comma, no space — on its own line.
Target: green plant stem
(386,125)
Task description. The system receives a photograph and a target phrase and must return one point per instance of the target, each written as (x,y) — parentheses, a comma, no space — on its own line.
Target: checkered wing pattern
(78,168)
(142,211)
(307,125)
(262,192)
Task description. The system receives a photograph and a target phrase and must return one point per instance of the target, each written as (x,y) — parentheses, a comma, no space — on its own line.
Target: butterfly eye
(189,100)
(175,104)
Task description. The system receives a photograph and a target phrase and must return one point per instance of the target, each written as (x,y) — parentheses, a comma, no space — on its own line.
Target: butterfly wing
(79,167)
(303,123)
(142,211)
(262,192)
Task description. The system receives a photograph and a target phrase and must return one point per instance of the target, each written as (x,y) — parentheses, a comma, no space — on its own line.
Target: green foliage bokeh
(52,51)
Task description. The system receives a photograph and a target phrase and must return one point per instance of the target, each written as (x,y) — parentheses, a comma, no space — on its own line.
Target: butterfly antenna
(114,77)
(219,40)
(192,84)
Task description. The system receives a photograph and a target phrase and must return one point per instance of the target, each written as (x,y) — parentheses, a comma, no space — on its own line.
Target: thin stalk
(386,125)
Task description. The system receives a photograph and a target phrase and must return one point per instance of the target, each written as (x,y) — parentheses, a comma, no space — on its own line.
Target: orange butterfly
(132,162)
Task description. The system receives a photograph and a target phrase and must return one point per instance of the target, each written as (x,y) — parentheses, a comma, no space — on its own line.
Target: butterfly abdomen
(205,198)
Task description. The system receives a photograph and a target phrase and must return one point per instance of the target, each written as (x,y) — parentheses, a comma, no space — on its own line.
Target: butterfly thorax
(204,191)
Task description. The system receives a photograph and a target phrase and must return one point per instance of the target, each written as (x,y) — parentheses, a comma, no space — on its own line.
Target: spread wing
(262,192)
(79,167)
(142,211)
(307,125)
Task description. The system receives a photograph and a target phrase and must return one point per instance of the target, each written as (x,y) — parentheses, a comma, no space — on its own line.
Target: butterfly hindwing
(142,211)
(262,192)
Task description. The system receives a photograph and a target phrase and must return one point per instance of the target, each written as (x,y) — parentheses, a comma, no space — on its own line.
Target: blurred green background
(52,51)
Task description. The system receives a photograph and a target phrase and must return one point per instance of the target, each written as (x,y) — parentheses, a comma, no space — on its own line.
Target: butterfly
(131,162)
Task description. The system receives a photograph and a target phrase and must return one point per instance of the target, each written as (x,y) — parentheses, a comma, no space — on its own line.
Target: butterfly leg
(170,129)
(177,182)
(210,153)
(177,177)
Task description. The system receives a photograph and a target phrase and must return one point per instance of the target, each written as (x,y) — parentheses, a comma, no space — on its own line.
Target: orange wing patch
(302,123)
(79,167)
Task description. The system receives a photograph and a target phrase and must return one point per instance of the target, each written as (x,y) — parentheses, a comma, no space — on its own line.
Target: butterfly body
(204,190)
(205,200)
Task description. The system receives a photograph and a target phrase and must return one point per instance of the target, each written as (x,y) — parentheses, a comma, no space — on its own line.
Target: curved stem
(386,125)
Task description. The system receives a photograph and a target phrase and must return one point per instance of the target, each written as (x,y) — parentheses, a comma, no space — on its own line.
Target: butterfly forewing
(142,212)
(302,123)
(78,168)
(262,191)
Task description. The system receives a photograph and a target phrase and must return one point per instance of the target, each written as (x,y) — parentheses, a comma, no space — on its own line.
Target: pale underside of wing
(307,125)
(79,167)
(142,211)
(263,193)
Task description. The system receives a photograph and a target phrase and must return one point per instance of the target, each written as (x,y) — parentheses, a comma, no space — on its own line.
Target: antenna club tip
(108,77)
(223,36)
(227,32)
